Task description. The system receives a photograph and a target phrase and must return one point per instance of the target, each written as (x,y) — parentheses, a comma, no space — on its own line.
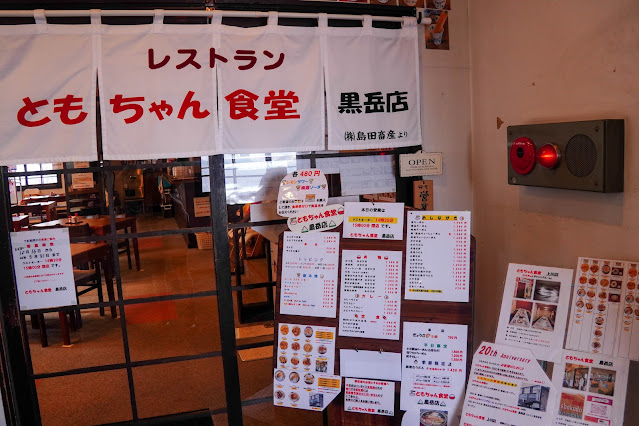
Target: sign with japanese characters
(591,389)
(306,348)
(43,268)
(309,274)
(434,367)
(201,206)
(534,309)
(379,107)
(369,396)
(158,90)
(81,180)
(506,384)
(306,391)
(370,294)
(423,195)
(437,255)
(317,219)
(48,92)
(376,221)
(271,92)
(300,191)
(604,315)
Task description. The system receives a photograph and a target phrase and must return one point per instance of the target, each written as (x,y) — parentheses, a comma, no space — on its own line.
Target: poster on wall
(306,348)
(437,256)
(374,221)
(534,309)
(309,274)
(43,268)
(370,294)
(591,389)
(434,368)
(81,180)
(306,391)
(604,315)
(369,396)
(506,384)
(302,190)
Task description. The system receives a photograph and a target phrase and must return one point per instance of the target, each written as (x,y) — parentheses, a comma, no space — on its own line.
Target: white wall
(446,111)
(535,61)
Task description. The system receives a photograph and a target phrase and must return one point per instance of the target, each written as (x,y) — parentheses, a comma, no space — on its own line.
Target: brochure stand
(411,310)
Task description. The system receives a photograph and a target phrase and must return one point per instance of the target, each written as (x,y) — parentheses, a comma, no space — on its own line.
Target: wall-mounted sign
(378,221)
(369,396)
(43,268)
(317,220)
(423,195)
(82,180)
(202,207)
(300,191)
(421,164)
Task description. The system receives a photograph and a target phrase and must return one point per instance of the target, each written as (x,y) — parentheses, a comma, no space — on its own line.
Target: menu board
(309,274)
(379,221)
(301,190)
(307,391)
(605,308)
(507,386)
(370,295)
(534,309)
(437,255)
(591,389)
(43,267)
(434,367)
(306,348)
(369,396)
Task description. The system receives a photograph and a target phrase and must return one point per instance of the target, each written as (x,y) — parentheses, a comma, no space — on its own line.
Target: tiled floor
(154,330)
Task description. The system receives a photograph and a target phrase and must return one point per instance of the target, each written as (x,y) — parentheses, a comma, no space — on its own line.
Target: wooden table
(48,208)
(102,226)
(20,221)
(42,198)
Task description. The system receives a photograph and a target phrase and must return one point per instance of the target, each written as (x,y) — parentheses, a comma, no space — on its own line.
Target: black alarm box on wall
(581,155)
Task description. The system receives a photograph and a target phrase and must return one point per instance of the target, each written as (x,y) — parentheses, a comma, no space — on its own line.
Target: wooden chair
(124,246)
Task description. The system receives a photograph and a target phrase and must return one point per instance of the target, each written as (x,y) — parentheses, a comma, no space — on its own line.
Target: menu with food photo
(306,348)
(370,294)
(507,386)
(437,255)
(309,274)
(306,391)
(591,389)
(605,308)
(534,309)
(434,369)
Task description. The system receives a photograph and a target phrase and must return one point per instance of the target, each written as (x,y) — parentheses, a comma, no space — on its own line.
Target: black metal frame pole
(20,384)
(221,253)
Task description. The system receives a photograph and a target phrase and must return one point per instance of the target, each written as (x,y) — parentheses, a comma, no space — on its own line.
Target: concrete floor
(155,330)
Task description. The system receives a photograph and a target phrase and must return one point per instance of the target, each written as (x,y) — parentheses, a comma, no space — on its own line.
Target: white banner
(158,90)
(271,90)
(372,86)
(47,81)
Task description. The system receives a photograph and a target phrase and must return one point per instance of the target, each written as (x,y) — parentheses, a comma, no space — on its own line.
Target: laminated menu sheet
(306,391)
(507,386)
(377,221)
(534,309)
(370,295)
(301,190)
(309,274)
(604,315)
(306,348)
(369,396)
(437,255)
(591,389)
(434,368)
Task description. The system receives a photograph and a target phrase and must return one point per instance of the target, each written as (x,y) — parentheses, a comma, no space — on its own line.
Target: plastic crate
(204,240)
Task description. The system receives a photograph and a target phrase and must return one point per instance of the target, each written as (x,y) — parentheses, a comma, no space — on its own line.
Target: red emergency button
(548,156)
(522,155)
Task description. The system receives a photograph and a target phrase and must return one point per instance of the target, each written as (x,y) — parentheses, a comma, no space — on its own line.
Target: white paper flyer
(369,396)
(507,386)
(306,348)
(380,221)
(302,190)
(591,389)
(437,255)
(309,274)
(306,391)
(434,368)
(370,295)
(534,309)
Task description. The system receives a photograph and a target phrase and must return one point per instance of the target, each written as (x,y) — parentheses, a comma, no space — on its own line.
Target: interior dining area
(147,314)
